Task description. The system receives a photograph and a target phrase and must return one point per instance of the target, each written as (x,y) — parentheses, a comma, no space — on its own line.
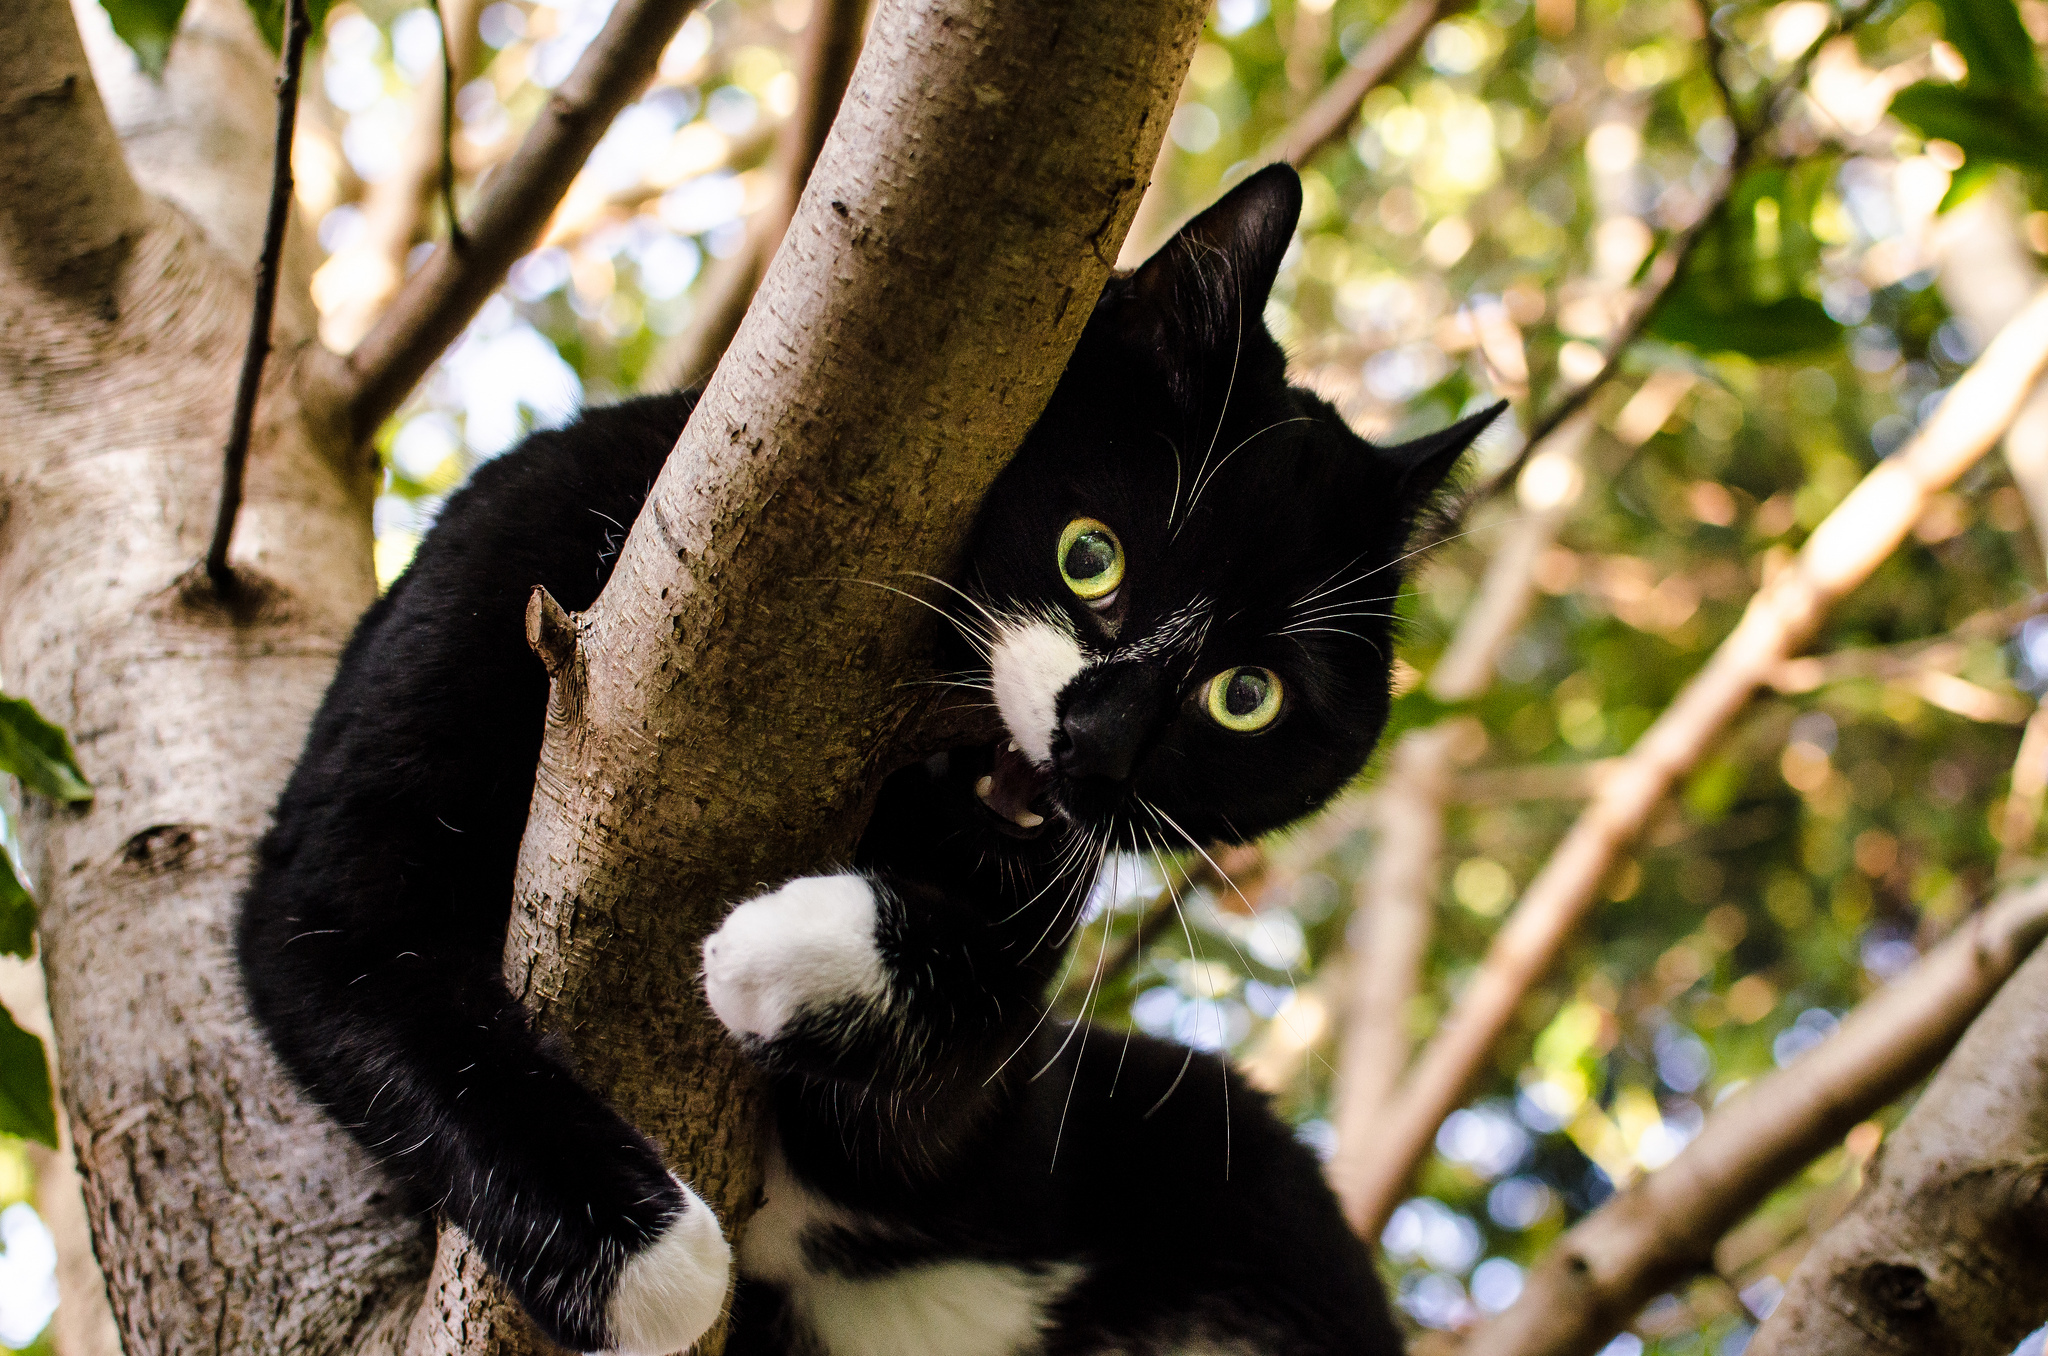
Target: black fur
(372,931)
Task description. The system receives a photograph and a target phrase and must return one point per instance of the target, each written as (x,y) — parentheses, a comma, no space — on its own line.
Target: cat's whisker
(1202,483)
(982,643)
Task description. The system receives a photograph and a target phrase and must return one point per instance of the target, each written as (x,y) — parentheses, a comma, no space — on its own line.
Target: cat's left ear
(1417,468)
(1204,293)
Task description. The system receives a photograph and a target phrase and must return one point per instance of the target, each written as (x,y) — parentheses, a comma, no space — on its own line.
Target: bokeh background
(1482,229)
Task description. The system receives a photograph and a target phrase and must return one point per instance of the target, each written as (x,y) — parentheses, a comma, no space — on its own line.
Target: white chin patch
(671,1291)
(1031,665)
(808,945)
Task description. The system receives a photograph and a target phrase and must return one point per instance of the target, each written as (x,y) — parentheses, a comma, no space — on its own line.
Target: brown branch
(235,458)
(1389,940)
(1941,1251)
(437,301)
(1842,552)
(995,152)
(1665,1227)
(358,282)
(1505,594)
(69,208)
(1329,117)
(831,45)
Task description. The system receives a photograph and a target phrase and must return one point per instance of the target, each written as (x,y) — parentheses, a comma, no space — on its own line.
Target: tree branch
(1781,618)
(69,209)
(235,457)
(359,281)
(1942,1249)
(1664,1228)
(1389,940)
(1505,593)
(831,45)
(438,300)
(1667,268)
(846,435)
(1330,116)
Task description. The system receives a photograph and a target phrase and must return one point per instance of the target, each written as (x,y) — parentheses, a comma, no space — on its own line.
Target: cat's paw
(671,1291)
(806,947)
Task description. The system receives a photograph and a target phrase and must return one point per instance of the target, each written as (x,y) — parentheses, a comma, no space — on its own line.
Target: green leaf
(147,26)
(17,913)
(37,752)
(1692,315)
(26,1107)
(2005,125)
(1994,42)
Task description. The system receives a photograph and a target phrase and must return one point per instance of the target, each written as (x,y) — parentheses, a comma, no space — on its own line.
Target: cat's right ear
(1202,296)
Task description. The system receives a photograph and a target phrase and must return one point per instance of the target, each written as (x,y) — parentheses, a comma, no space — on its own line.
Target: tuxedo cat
(1177,596)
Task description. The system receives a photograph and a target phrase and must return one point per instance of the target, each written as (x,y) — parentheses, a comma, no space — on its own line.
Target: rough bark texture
(1946,1249)
(1665,1227)
(227,1214)
(731,697)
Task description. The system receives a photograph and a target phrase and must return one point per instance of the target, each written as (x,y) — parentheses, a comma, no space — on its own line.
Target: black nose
(1106,717)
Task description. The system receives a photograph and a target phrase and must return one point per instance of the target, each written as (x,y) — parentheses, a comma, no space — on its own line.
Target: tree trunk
(720,715)
(1946,1249)
(226,1212)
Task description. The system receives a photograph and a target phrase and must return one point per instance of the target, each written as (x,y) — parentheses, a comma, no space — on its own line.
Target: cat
(1177,597)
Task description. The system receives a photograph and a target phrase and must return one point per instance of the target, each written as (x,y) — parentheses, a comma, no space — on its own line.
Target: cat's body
(1176,596)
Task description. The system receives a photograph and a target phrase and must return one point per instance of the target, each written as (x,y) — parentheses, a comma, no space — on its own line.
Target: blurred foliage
(1477,232)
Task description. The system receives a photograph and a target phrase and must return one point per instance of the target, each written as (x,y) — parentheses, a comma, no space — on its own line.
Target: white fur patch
(671,1291)
(808,945)
(1031,665)
(959,1308)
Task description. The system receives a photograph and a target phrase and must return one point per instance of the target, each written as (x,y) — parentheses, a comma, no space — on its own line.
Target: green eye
(1244,700)
(1091,559)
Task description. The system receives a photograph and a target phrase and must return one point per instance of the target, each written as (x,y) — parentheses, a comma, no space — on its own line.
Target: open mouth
(1013,790)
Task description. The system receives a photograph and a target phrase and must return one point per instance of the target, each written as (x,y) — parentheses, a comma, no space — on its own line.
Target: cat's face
(1183,585)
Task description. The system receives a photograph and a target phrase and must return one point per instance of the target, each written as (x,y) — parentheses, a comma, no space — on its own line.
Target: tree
(1692,246)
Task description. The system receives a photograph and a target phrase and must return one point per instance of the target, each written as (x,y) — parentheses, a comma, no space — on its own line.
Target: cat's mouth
(1013,791)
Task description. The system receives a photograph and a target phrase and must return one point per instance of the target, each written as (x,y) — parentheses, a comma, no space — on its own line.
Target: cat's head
(1183,585)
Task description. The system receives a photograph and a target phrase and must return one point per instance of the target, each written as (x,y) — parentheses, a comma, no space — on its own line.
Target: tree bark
(1666,1226)
(1946,1248)
(227,1213)
(719,716)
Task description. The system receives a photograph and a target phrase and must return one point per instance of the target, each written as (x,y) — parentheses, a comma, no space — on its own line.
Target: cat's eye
(1091,560)
(1244,699)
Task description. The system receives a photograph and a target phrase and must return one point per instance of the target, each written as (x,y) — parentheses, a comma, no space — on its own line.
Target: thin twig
(1668,267)
(1329,117)
(235,458)
(455,237)
(440,298)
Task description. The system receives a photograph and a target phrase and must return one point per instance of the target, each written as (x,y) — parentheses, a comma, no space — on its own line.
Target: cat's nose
(1106,716)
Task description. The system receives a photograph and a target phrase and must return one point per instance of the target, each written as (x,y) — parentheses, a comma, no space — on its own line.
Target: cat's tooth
(1013,746)
(1027,820)
(984,786)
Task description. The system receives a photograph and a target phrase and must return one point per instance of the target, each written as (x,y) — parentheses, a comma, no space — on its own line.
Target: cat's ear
(1205,290)
(1417,468)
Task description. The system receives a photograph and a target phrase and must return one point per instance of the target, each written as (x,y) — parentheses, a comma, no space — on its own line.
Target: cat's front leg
(801,971)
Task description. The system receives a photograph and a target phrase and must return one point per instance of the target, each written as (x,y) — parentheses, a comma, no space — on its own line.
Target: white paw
(808,945)
(671,1291)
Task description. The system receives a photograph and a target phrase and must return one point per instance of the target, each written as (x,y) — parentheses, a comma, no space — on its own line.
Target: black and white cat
(1177,596)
